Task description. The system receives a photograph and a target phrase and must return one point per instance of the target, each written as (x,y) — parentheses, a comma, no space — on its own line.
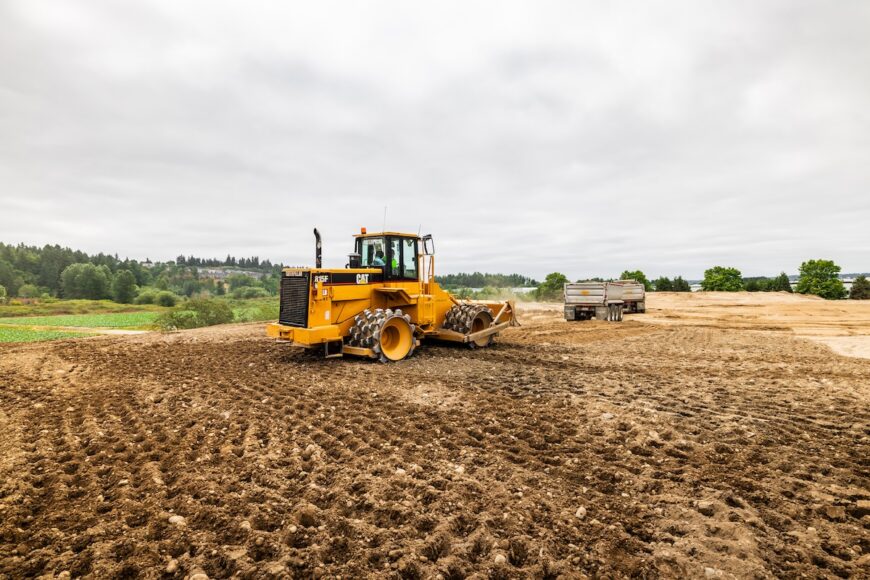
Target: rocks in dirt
(606,416)
(580,513)
(177,520)
(275,569)
(706,508)
(400,471)
(306,515)
(245,525)
(309,452)
(834,512)
(862,508)
(713,573)
(197,574)
(500,559)
(172,566)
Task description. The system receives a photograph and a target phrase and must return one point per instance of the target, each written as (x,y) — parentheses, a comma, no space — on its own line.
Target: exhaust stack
(317,253)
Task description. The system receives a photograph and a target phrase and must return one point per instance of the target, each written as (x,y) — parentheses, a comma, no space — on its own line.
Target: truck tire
(571,313)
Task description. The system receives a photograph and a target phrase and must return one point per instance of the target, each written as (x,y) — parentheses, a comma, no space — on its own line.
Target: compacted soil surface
(583,449)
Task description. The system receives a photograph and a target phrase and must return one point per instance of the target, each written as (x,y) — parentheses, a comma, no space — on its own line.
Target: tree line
(481,280)
(252,263)
(55,271)
(817,277)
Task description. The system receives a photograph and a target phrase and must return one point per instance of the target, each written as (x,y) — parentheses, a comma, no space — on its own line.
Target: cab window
(395,257)
(409,258)
(372,252)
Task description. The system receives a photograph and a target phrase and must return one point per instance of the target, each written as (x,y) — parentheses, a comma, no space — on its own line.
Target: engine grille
(294,300)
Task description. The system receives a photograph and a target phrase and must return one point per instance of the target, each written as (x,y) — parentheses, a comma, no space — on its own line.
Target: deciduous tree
(722,279)
(638,276)
(552,286)
(821,277)
(85,281)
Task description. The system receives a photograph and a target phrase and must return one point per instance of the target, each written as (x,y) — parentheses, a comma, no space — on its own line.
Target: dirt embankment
(568,449)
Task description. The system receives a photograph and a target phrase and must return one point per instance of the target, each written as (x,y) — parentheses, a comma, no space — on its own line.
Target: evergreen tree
(124,287)
(9,279)
(781,284)
(860,289)
(681,285)
(664,284)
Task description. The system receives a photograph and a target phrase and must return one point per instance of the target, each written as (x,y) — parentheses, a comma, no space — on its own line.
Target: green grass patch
(57,307)
(24,334)
(255,310)
(112,320)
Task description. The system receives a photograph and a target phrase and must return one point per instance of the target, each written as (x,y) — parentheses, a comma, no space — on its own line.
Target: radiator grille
(294,300)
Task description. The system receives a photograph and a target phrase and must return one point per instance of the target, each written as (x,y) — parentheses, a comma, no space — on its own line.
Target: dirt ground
(844,325)
(693,444)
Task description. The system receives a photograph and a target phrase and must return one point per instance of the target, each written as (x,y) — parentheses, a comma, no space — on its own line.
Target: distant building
(223,274)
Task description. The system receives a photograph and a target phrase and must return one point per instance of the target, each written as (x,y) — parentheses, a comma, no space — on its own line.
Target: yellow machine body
(319,306)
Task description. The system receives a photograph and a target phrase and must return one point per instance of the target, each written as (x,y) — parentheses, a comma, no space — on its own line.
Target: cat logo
(362,278)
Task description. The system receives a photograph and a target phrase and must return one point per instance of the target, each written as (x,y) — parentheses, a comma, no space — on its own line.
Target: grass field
(63,318)
(110,320)
(256,310)
(24,334)
(56,307)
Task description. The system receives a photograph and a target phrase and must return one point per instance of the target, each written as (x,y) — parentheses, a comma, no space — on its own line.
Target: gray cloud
(581,137)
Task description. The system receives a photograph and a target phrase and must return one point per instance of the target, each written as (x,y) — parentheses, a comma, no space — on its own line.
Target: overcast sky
(583,137)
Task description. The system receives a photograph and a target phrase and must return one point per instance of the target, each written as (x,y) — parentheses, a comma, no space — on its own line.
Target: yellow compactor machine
(382,304)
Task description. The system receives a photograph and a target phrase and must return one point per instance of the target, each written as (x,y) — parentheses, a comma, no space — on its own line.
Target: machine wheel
(468,319)
(389,333)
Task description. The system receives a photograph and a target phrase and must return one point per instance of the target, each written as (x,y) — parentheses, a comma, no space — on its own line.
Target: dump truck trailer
(631,292)
(603,300)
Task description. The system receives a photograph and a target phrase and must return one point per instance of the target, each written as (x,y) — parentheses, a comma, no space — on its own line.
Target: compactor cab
(382,304)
